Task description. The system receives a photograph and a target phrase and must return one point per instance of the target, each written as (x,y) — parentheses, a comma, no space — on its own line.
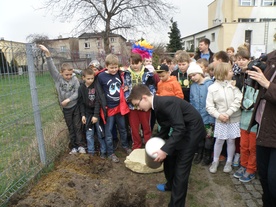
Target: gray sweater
(65,89)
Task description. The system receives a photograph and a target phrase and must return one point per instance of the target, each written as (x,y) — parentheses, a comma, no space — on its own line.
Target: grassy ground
(19,155)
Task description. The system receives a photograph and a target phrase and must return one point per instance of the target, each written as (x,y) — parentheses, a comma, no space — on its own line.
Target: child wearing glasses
(180,146)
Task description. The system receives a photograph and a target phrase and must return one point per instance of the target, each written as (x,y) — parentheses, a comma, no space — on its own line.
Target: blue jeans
(121,125)
(90,139)
(266,159)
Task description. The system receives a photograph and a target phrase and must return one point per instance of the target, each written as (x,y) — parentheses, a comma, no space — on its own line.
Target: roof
(97,34)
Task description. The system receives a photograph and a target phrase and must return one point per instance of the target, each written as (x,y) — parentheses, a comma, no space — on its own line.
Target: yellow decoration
(144,44)
(186,82)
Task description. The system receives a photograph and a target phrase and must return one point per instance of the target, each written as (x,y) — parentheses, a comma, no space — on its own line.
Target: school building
(233,22)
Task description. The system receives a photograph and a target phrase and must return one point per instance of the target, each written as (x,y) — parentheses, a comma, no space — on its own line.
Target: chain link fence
(32,129)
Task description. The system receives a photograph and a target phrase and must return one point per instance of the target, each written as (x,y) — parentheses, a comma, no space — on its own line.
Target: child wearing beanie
(198,95)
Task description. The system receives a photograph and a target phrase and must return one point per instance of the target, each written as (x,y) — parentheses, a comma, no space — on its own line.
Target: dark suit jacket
(185,120)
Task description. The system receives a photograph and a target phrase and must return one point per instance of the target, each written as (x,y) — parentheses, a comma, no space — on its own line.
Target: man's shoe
(247,177)
(239,173)
(73,151)
(214,167)
(227,168)
(113,158)
(81,150)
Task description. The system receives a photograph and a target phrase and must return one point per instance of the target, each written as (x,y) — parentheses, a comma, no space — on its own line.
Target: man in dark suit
(180,147)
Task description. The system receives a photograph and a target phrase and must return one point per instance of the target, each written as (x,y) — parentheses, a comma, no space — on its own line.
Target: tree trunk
(106,37)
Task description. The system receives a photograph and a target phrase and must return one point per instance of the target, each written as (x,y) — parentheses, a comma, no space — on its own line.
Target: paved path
(250,192)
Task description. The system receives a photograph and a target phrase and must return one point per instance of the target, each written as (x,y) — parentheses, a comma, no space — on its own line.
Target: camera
(257,62)
(260,63)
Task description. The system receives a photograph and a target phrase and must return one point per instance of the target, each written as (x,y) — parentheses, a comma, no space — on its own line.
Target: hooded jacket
(147,78)
(65,89)
(170,87)
(198,95)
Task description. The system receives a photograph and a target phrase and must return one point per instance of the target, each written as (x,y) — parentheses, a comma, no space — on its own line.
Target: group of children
(96,102)
(105,98)
(222,94)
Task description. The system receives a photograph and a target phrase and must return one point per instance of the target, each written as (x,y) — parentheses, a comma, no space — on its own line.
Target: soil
(84,181)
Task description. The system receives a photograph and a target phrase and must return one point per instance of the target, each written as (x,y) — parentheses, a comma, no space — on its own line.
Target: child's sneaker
(113,158)
(103,156)
(81,150)
(236,160)
(128,150)
(214,167)
(73,151)
(227,168)
(247,177)
(239,173)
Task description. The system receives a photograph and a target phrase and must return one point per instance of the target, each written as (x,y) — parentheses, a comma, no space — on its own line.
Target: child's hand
(223,118)
(94,120)
(45,50)
(125,88)
(226,116)
(83,119)
(161,155)
(65,102)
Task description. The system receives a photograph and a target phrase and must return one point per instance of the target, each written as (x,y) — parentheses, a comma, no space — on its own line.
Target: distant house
(91,45)
(231,23)
(66,47)
(12,56)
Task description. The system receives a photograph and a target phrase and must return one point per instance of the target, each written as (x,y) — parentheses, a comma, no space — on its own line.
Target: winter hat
(162,68)
(95,63)
(150,68)
(194,68)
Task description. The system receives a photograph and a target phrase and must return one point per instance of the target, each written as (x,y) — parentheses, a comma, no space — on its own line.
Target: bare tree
(39,57)
(112,16)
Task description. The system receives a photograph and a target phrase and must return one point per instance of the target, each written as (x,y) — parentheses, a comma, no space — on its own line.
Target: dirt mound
(84,181)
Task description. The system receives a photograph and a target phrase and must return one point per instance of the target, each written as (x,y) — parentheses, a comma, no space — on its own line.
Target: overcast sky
(19,18)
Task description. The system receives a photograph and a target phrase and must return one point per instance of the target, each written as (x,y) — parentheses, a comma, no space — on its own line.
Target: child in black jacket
(90,109)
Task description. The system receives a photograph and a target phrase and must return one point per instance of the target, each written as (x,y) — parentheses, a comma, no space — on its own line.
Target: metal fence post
(36,110)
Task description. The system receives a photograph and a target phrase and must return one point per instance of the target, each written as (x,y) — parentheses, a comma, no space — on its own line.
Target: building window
(87,45)
(213,37)
(247,2)
(88,55)
(268,2)
(98,44)
(248,35)
(112,39)
(268,20)
(62,48)
(190,46)
(246,20)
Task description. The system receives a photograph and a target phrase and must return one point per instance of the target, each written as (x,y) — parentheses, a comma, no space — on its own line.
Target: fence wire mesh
(20,157)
